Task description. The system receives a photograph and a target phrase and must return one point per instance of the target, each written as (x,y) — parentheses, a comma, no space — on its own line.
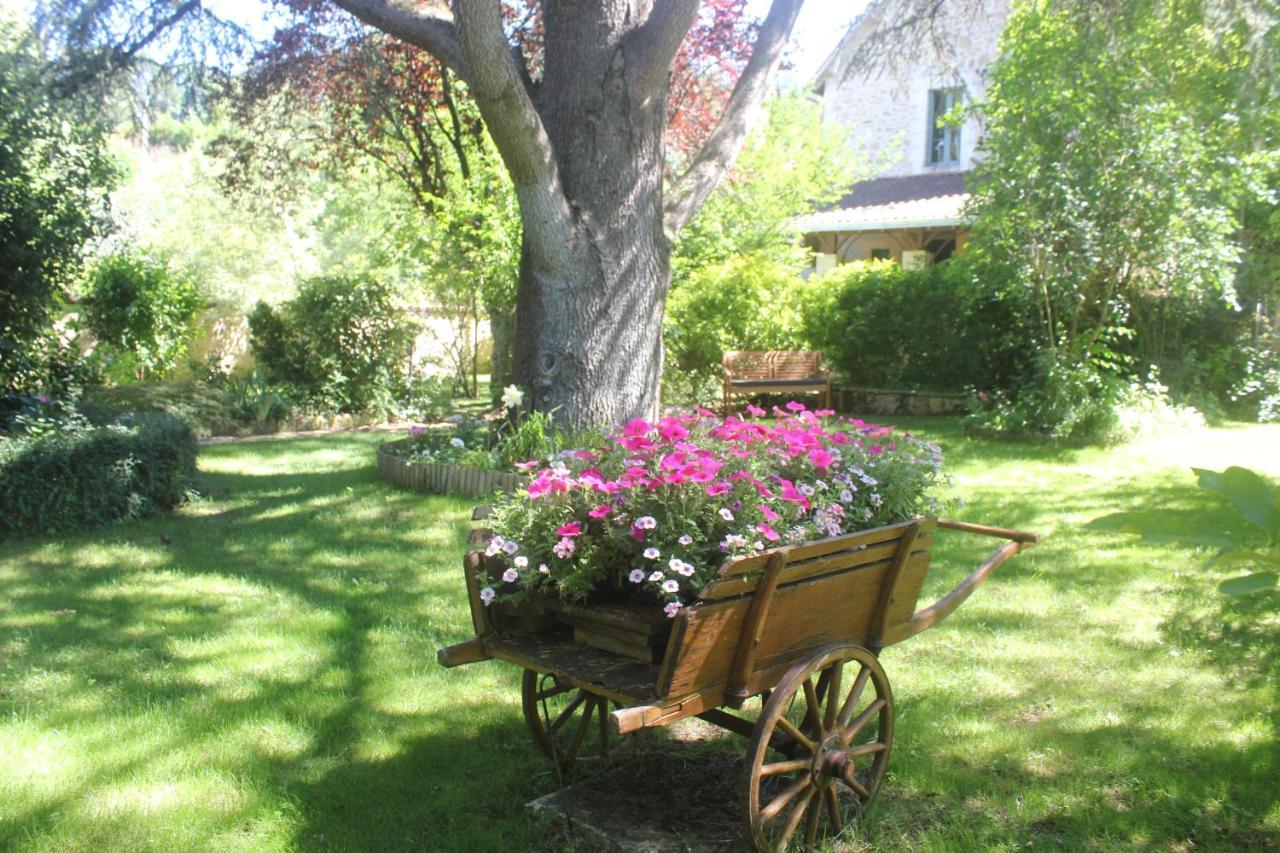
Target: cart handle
(1019,540)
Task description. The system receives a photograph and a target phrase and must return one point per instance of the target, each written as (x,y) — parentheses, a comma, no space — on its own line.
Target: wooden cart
(799,627)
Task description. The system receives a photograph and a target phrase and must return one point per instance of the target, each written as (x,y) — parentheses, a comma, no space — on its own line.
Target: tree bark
(584,148)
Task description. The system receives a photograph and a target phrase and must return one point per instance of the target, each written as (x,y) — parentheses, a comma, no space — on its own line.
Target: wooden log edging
(443,478)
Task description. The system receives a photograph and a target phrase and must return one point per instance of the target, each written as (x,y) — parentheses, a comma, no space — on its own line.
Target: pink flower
(564,548)
(824,413)
(875,450)
(416,431)
(795,407)
(573,528)
(527,466)
(768,532)
(717,489)
(820,458)
(672,609)
(637,428)
(768,512)
(756,411)
(600,511)
(670,429)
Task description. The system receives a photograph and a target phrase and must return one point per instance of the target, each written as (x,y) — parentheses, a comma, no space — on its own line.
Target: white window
(944,139)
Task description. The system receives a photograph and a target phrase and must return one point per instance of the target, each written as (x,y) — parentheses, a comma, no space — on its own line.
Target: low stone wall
(886,401)
(444,479)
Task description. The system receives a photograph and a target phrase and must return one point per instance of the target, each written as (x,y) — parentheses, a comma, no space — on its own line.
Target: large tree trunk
(588,335)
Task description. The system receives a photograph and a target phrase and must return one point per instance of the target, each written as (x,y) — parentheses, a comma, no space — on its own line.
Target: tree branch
(410,22)
(722,146)
(652,46)
(518,132)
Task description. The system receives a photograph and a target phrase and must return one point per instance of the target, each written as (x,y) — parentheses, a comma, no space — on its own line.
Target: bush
(143,311)
(94,477)
(748,302)
(939,329)
(343,343)
(1257,394)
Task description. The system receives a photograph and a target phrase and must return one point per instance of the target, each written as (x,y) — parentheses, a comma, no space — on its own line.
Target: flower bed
(650,513)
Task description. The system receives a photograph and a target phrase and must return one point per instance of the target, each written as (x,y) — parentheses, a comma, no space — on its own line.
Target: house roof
(931,200)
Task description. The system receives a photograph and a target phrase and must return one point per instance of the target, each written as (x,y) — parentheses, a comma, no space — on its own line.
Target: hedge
(94,477)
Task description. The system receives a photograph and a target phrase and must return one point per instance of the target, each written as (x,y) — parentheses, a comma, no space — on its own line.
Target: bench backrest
(778,364)
(848,589)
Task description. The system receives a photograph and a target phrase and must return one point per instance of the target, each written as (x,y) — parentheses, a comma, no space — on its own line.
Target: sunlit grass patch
(258,671)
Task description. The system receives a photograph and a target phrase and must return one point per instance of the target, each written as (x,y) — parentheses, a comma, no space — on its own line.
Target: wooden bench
(778,372)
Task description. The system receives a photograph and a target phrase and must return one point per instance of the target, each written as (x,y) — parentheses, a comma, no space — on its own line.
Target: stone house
(910,209)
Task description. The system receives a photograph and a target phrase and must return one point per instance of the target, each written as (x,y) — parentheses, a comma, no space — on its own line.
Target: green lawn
(258,672)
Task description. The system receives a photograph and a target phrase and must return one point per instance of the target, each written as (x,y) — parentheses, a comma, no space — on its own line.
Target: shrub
(93,477)
(748,302)
(1257,393)
(343,343)
(143,311)
(938,329)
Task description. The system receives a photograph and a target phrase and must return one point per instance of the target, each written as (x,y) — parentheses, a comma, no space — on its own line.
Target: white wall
(888,113)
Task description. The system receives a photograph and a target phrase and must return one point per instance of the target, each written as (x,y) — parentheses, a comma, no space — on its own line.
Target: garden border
(443,478)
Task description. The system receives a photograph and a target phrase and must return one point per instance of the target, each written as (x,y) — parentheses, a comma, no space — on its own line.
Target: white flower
(670,586)
(733,540)
(726,514)
(821,484)
(652,553)
(646,522)
(686,539)
(636,576)
(512,396)
(542,569)
(521,562)
(510,547)
(487,594)
(457,442)
(656,576)
(510,576)
(876,500)
(759,545)
(672,609)
(805,489)
(680,567)
(494,546)
(846,495)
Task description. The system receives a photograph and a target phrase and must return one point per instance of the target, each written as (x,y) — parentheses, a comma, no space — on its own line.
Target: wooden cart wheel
(569,725)
(820,746)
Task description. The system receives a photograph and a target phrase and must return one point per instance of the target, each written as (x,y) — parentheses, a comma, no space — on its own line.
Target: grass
(257,671)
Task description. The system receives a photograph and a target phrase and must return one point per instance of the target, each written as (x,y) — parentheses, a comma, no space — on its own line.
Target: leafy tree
(794,163)
(1116,163)
(142,309)
(343,343)
(54,180)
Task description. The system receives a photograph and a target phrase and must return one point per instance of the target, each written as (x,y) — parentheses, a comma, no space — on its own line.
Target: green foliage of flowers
(89,477)
(343,343)
(653,511)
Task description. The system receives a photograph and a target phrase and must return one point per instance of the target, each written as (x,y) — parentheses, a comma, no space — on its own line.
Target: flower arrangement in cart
(653,512)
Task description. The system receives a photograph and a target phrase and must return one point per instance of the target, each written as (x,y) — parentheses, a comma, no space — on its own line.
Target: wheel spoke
(564,715)
(781,801)
(793,821)
(811,824)
(833,697)
(795,734)
(865,749)
(785,766)
(603,708)
(863,718)
(811,710)
(850,778)
(833,810)
(584,723)
(855,693)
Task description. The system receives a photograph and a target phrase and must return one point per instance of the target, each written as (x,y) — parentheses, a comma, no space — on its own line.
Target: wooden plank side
(797,571)
(822,547)
(833,609)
